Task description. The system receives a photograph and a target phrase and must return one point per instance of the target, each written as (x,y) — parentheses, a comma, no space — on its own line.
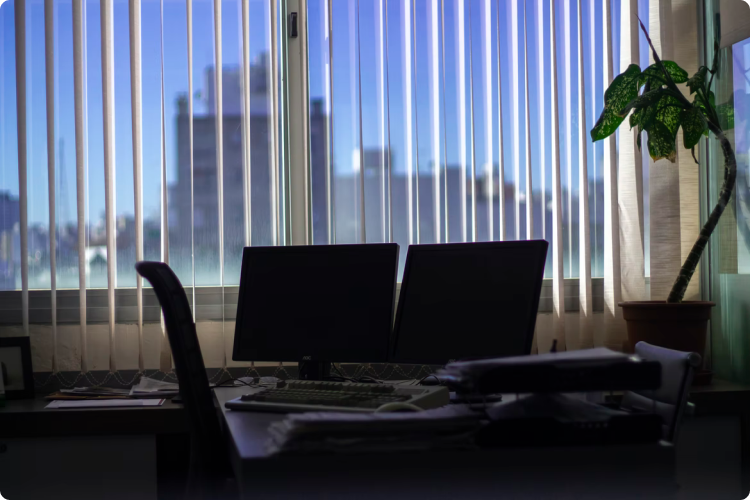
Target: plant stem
(694,257)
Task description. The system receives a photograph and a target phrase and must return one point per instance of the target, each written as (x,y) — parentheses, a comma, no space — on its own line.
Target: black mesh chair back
(671,399)
(208,455)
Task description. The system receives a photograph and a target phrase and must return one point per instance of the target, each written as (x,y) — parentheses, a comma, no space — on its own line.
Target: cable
(221,384)
(440,382)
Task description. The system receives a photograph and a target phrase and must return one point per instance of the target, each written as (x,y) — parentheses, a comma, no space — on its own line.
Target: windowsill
(209,303)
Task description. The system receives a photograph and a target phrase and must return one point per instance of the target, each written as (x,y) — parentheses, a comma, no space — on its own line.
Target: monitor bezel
(293,354)
(413,251)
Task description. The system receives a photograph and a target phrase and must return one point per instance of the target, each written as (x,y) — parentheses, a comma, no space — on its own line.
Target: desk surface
(518,472)
(29,418)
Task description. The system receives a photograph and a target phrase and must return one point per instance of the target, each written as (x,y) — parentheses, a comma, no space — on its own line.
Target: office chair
(671,399)
(209,467)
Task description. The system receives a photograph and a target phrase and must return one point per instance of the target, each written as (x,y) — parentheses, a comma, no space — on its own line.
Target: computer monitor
(468,300)
(316,304)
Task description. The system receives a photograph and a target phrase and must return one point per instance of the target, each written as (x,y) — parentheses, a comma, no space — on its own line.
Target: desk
(555,472)
(132,452)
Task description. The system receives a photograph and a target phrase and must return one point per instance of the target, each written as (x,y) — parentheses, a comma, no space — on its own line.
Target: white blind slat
(630,172)
(613,324)
(585,311)
(472,132)
(362,214)
(500,139)
(558,290)
(49,63)
(461,76)
(165,354)
(136,103)
(79,83)
(189,16)
(527,118)
(435,116)
(108,112)
(218,70)
(20,20)
(413,34)
(246,137)
(512,6)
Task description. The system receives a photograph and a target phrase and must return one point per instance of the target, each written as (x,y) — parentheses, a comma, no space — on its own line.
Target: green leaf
(698,80)
(668,113)
(642,101)
(621,91)
(655,76)
(661,143)
(700,104)
(693,126)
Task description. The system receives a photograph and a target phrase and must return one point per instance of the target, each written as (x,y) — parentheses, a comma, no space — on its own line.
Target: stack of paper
(152,388)
(449,427)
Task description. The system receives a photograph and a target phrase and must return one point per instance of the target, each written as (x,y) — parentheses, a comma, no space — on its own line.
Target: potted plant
(660,110)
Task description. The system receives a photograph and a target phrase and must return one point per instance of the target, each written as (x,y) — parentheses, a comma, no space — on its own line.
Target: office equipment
(552,419)
(316,304)
(307,395)
(468,300)
(105,403)
(585,370)
(450,427)
(671,398)
(208,456)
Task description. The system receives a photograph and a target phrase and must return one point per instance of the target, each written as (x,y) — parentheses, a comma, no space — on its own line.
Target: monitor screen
(319,302)
(468,300)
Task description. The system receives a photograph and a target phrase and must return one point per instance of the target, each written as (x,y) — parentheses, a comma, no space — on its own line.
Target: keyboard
(311,395)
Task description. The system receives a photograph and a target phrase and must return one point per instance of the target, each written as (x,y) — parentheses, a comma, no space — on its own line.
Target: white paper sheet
(104,403)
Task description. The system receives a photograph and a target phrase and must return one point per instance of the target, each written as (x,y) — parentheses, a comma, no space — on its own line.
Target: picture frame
(16,369)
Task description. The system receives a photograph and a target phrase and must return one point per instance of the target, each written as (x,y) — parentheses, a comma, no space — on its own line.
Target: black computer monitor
(468,300)
(316,304)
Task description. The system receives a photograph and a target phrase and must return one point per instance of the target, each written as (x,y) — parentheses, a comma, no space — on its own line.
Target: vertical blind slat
(189,17)
(330,212)
(488,115)
(108,112)
(435,112)
(79,84)
(275,150)
(542,127)
(218,70)
(529,191)
(612,291)
(20,20)
(49,63)
(137,124)
(558,291)
(630,172)
(500,142)
(416,118)
(388,115)
(567,65)
(462,116)
(446,224)
(246,136)
(585,310)
(362,214)
(409,124)
(472,127)
(165,356)
(515,118)
(385,214)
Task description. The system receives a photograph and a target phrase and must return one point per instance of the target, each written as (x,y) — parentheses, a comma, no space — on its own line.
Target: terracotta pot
(682,327)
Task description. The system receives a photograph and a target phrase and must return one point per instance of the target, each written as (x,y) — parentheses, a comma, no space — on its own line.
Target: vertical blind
(428,121)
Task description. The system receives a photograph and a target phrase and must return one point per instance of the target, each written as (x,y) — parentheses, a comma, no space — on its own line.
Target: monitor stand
(314,370)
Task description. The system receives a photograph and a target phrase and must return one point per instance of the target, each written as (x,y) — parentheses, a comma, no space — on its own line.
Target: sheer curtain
(429,121)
